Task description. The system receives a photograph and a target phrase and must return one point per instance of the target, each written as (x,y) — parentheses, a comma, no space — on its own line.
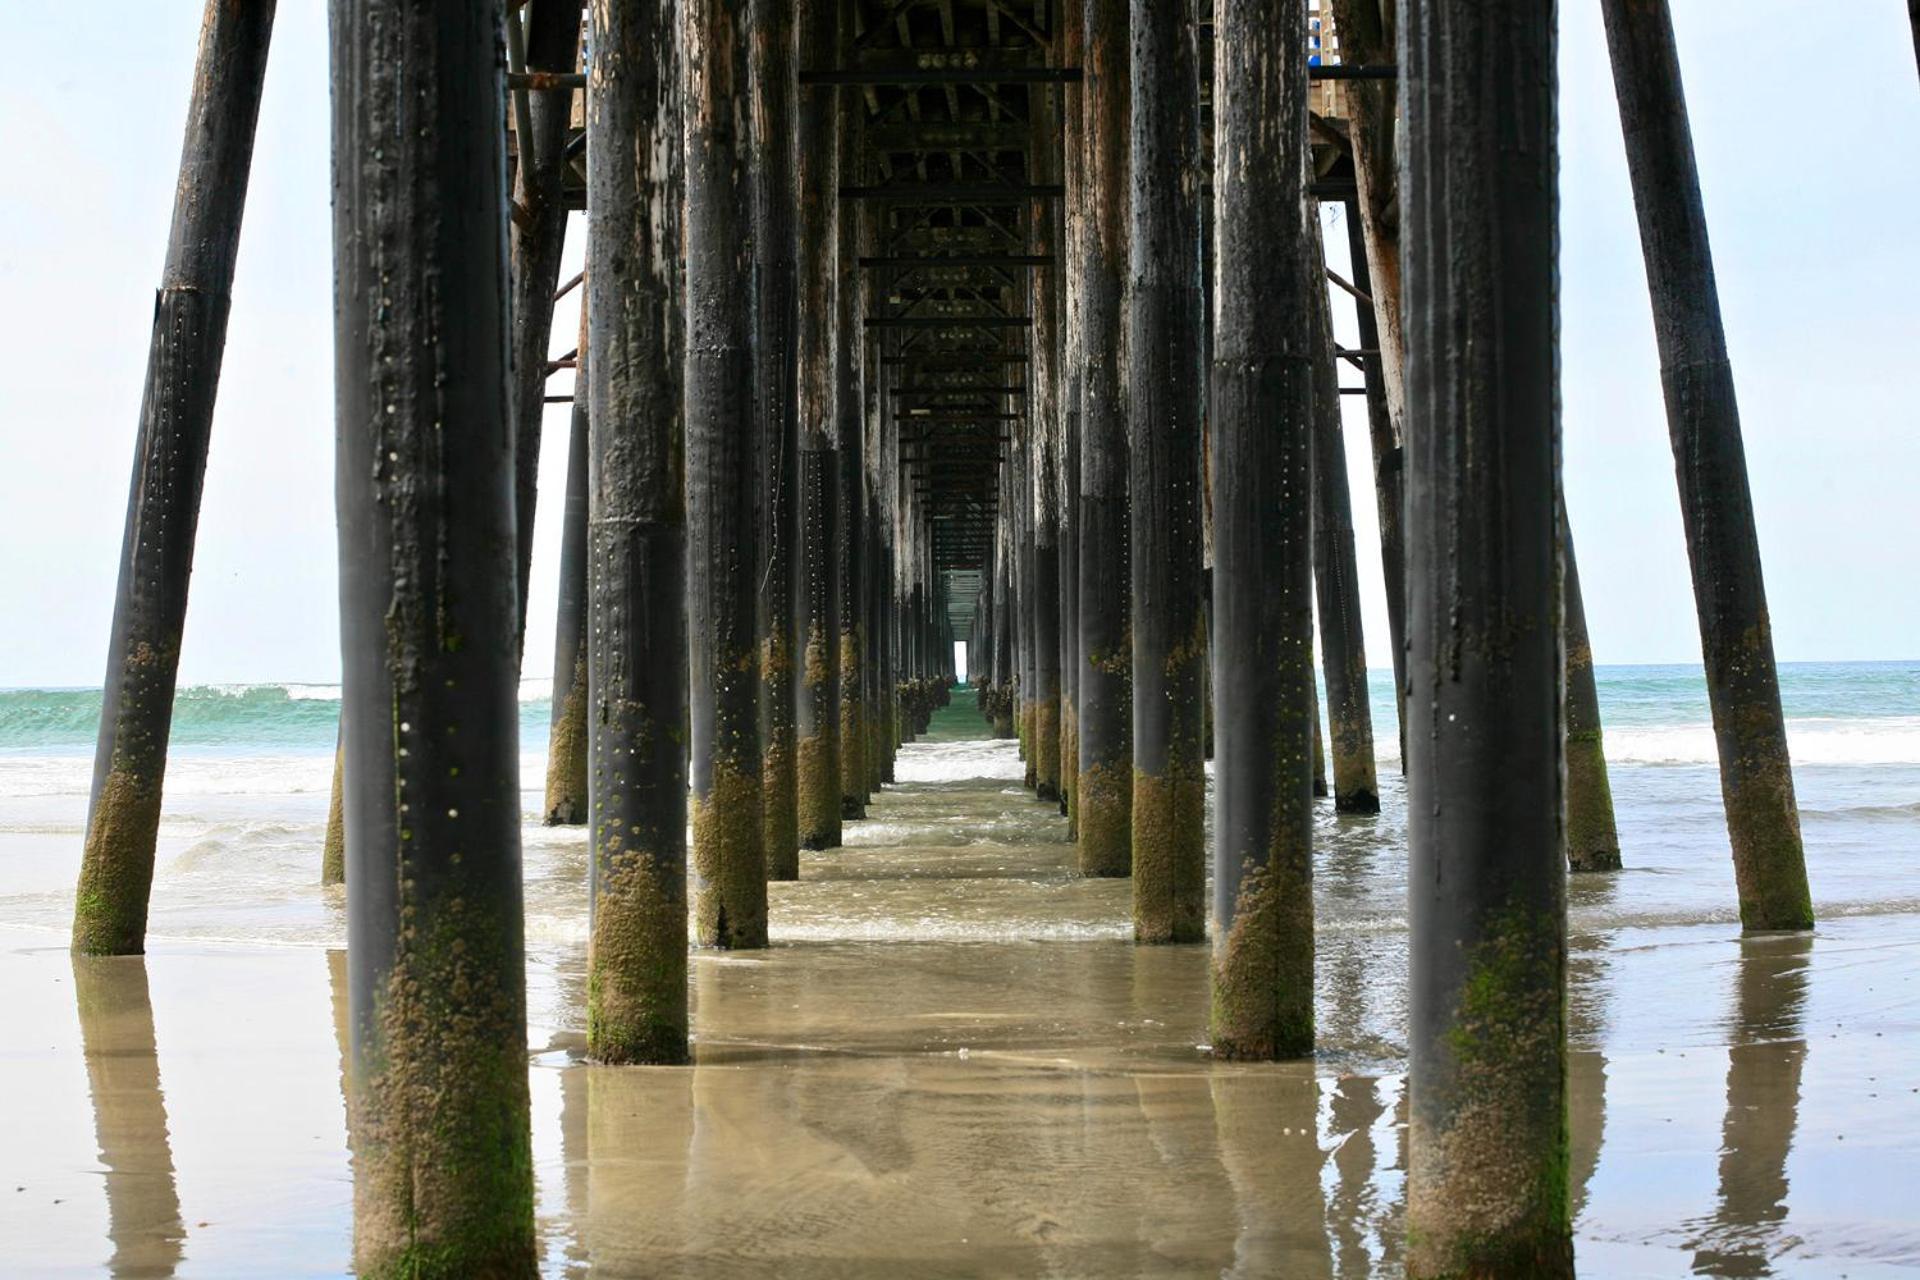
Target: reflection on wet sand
(1764,1064)
(1586,1065)
(129,1115)
(885,1166)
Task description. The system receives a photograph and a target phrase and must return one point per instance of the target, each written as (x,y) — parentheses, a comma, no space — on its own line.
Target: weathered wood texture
(1709,458)
(1262,438)
(443,1179)
(1164,331)
(170,462)
(1103,679)
(1487,1137)
(637,522)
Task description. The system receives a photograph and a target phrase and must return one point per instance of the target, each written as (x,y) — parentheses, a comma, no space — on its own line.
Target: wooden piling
(1103,680)
(443,1178)
(637,521)
(1044,304)
(1384,440)
(567,728)
(1261,398)
(729,839)
(1336,573)
(849,415)
(1593,842)
(775,388)
(170,462)
(1071,377)
(1163,344)
(816,712)
(538,233)
(1716,505)
(1487,1165)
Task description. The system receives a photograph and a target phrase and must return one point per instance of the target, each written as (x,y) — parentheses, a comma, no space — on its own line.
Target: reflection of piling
(1764,1065)
(729,842)
(1262,406)
(1104,714)
(1487,1183)
(170,462)
(637,655)
(566,797)
(817,166)
(1163,397)
(1343,648)
(129,1115)
(442,1175)
(775,370)
(1269,1133)
(1716,506)
(1593,843)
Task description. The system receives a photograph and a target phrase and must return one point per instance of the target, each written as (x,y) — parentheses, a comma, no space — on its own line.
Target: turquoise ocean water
(1858,713)
(251,765)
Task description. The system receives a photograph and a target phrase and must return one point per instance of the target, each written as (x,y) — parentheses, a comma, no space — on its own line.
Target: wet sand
(953,1063)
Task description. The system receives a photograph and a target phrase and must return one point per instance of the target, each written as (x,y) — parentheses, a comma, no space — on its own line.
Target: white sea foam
(998,761)
(1878,741)
(312,692)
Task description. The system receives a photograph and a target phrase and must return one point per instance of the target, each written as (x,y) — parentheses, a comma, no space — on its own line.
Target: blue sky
(1812,183)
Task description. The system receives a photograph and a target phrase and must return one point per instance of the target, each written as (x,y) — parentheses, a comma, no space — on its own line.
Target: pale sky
(1808,135)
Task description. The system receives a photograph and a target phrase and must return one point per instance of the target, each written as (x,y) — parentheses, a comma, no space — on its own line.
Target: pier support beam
(170,463)
(637,562)
(771,173)
(443,1176)
(567,732)
(1384,439)
(1104,785)
(1593,843)
(816,710)
(1716,506)
(538,234)
(850,608)
(1165,331)
(1487,1144)
(1262,437)
(729,840)
(1336,572)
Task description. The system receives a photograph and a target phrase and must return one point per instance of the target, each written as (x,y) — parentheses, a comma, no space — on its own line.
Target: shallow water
(954,1062)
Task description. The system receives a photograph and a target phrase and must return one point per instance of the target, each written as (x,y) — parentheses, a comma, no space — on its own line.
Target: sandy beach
(954,1063)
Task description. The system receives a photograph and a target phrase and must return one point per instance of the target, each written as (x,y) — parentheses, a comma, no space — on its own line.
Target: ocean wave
(1880,741)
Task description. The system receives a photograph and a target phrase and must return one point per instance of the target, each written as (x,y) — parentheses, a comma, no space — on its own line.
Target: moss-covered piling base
(442,1161)
(1593,844)
(1487,1188)
(1763,819)
(333,845)
(781,816)
(729,861)
(567,755)
(1105,804)
(637,965)
(1262,990)
(1169,856)
(1045,751)
(817,791)
(116,867)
